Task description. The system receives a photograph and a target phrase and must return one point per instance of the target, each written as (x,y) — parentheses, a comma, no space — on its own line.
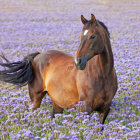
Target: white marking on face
(75,59)
(85,32)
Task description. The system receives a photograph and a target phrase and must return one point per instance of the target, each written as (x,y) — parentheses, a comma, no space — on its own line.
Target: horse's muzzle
(80,62)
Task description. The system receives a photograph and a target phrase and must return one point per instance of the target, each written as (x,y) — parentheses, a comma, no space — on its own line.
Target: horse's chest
(89,86)
(91,82)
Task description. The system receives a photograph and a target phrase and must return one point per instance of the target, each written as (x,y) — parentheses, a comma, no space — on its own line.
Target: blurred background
(39,25)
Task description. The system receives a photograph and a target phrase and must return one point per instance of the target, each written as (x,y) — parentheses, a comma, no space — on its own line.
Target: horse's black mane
(104,26)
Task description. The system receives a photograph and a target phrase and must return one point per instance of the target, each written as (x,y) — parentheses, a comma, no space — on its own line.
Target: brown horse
(89,77)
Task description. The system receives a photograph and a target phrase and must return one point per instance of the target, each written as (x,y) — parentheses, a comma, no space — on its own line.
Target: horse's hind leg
(37,99)
(36,93)
(56,109)
(87,107)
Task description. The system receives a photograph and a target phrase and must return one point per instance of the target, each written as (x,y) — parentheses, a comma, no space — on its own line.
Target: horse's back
(51,58)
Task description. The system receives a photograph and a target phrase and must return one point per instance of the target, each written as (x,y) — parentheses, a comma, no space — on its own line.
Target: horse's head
(92,42)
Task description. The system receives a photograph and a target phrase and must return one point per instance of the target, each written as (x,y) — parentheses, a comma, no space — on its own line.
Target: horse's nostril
(79,61)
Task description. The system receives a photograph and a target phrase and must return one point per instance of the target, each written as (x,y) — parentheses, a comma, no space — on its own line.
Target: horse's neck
(106,59)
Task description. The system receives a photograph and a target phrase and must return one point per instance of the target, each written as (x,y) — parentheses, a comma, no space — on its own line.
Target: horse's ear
(93,19)
(84,21)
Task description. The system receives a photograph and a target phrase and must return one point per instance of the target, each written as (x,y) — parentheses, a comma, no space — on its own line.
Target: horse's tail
(20,72)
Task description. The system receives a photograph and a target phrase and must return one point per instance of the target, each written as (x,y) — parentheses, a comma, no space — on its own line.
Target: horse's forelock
(90,23)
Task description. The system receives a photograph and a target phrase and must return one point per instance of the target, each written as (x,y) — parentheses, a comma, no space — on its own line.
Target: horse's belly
(62,89)
(64,99)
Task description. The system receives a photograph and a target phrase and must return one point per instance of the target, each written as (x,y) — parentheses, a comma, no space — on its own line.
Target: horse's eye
(92,36)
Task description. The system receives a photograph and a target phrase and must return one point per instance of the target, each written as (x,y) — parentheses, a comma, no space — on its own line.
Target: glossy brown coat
(89,76)
(56,73)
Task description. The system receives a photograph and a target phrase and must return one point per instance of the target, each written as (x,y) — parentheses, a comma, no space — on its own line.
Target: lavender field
(28,26)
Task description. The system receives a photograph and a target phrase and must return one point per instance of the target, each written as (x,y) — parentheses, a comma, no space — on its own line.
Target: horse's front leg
(103,114)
